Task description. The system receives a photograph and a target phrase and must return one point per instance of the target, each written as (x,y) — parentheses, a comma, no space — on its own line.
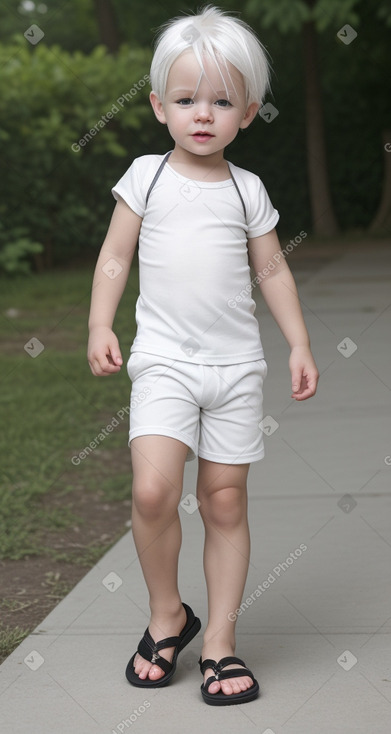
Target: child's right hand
(103,354)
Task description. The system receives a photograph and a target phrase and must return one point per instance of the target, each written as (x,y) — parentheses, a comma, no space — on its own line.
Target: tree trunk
(107,24)
(323,218)
(382,220)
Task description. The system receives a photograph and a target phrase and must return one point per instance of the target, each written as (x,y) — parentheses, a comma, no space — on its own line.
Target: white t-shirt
(193,262)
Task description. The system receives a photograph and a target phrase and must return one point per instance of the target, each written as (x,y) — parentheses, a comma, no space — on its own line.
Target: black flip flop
(222,699)
(149,649)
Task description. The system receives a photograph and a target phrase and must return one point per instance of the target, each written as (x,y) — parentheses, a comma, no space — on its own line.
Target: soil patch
(33,586)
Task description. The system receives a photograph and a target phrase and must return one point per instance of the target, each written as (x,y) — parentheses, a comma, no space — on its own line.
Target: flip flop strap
(220,674)
(235,673)
(208,663)
(148,649)
(217,667)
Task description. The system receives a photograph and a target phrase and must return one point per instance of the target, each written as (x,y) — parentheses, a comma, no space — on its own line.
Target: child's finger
(113,351)
(108,367)
(101,365)
(296,380)
(116,356)
(307,389)
(313,383)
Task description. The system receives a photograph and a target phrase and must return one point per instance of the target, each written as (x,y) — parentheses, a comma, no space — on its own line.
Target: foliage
(71,24)
(16,250)
(384,12)
(289,15)
(356,98)
(57,189)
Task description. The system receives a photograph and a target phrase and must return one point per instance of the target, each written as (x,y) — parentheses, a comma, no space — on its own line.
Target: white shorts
(214,409)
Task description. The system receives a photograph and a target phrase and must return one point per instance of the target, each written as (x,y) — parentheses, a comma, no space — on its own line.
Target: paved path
(317,637)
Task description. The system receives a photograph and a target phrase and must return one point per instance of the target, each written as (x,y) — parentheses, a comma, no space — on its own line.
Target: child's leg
(158,466)
(222,493)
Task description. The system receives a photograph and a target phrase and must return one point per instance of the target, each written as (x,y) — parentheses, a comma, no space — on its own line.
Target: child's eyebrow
(191,93)
(188,92)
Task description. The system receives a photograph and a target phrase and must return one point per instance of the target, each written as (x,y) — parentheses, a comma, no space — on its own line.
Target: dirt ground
(33,586)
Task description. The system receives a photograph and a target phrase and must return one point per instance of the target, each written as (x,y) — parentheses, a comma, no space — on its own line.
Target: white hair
(223,38)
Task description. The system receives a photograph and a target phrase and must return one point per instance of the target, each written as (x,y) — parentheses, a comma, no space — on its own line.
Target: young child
(197,365)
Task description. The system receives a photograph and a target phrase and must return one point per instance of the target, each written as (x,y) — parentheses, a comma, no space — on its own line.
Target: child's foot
(231,685)
(159,628)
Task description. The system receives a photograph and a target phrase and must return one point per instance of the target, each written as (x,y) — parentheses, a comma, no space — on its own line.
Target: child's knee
(224,508)
(153,498)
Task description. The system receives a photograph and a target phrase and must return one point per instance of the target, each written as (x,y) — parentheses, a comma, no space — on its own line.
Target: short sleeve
(130,189)
(262,217)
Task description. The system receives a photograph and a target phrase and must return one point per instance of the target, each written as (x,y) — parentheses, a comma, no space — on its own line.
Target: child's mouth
(202,137)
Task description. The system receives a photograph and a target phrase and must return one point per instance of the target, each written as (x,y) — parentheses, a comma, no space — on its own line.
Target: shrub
(57,190)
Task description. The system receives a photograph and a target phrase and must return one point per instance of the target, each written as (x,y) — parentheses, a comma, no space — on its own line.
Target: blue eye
(185,101)
(223,103)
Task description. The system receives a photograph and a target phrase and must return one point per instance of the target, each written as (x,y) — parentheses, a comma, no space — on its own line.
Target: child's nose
(203,112)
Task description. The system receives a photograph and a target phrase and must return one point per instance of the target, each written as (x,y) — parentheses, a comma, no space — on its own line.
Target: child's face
(201,118)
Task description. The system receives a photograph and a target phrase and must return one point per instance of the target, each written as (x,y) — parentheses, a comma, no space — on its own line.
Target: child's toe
(138,664)
(229,686)
(214,687)
(245,683)
(235,685)
(155,672)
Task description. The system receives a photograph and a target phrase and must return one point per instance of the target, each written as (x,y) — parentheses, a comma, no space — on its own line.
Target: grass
(12,635)
(10,638)
(52,407)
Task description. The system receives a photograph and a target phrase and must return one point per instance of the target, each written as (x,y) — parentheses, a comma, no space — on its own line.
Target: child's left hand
(304,373)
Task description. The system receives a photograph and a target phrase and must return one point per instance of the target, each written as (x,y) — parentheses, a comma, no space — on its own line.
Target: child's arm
(280,293)
(104,355)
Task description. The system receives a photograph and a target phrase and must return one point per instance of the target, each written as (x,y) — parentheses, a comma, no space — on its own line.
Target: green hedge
(68,125)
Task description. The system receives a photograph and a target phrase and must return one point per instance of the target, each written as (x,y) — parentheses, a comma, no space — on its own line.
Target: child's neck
(199,167)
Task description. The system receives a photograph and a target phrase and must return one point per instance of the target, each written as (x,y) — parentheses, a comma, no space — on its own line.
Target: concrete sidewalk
(317,637)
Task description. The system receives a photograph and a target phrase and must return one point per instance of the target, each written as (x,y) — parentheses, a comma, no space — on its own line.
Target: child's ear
(249,116)
(157,107)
